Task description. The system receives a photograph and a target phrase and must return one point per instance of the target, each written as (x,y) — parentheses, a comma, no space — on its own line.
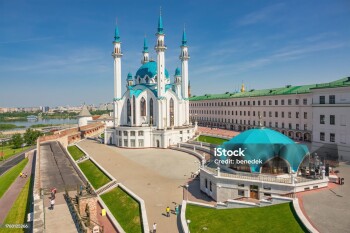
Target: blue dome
(150,69)
(129,76)
(266,144)
(177,72)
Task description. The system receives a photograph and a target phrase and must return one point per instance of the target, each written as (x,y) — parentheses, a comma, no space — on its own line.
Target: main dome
(149,69)
(266,144)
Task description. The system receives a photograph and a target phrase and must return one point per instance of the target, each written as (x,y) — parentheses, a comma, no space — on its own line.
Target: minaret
(117,54)
(160,49)
(242,87)
(177,82)
(145,52)
(184,65)
(184,71)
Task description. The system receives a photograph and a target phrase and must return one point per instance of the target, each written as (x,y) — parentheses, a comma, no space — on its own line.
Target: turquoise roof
(116,34)
(184,38)
(150,69)
(177,72)
(137,89)
(160,25)
(145,45)
(129,76)
(266,144)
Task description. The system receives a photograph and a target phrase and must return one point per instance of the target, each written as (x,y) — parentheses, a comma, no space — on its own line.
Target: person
(167,211)
(52,202)
(176,209)
(21,175)
(25,175)
(154,227)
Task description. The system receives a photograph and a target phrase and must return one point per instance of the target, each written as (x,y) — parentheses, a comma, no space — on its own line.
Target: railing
(259,177)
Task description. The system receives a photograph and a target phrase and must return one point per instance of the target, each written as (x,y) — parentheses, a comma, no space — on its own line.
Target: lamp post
(186,191)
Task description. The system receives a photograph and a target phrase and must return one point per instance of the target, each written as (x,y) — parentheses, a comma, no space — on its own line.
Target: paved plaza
(156,175)
(329,209)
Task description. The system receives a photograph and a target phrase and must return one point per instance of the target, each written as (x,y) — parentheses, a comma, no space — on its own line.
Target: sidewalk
(11,194)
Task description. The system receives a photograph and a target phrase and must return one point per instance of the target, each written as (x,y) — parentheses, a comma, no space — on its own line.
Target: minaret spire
(117,55)
(184,57)
(145,52)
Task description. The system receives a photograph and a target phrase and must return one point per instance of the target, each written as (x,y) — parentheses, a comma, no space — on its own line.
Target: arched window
(128,111)
(133,110)
(151,111)
(143,107)
(147,80)
(139,80)
(171,112)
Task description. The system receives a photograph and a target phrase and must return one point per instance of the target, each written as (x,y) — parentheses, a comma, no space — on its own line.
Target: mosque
(154,110)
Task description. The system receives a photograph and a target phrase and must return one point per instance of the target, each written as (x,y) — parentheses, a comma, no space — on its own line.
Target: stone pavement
(329,209)
(218,132)
(105,221)
(59,219)
(156,175)
(11,194)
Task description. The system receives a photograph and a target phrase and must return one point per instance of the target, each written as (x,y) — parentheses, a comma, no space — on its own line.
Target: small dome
(129,76)
(149,69)
(266,144)
(177,72)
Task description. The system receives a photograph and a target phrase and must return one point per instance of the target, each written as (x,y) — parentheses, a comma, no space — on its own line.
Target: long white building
(317,113)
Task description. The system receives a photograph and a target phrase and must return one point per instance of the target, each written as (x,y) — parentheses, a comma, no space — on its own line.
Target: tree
(30,136)
(17,140)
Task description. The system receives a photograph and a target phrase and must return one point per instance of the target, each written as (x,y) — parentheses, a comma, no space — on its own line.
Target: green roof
(344,82)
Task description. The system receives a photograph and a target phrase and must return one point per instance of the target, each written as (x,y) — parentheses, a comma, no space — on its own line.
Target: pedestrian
(176,209)
(21,175)
(167,211)
(25,175)
(154,227)
(52,202)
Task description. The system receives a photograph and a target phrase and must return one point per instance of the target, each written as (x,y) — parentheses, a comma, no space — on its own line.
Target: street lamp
(186,191)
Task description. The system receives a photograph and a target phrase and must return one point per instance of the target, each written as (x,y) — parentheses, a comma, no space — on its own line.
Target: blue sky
(59,52)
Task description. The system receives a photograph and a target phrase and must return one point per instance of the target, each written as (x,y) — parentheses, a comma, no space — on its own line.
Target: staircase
(107,187)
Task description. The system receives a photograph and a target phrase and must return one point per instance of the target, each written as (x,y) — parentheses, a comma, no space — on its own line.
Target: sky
(58,52)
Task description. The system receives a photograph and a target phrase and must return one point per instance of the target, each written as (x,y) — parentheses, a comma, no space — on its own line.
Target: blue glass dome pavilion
(278,153)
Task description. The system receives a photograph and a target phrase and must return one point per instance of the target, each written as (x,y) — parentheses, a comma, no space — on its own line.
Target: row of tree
(29,138)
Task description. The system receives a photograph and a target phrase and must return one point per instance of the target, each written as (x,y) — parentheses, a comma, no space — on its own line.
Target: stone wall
(91,201)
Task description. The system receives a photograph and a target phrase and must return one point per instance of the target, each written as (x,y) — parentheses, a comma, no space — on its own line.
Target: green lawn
(125,209)
(75,152)
(8,151)
(272,219)
(95,176)
(9,177)
(20,209)
(212,140)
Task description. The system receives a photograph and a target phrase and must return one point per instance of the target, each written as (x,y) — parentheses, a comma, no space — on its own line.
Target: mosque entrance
(158,144)
(254,192)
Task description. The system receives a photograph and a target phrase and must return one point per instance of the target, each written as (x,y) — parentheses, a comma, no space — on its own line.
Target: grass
(10,126)
(20,209)
(9,151)
(272,219)
(10,176)
(212,140)
(95,176)
(125,209)
(75,152)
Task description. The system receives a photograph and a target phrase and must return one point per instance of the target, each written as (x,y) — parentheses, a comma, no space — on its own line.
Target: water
(42,121)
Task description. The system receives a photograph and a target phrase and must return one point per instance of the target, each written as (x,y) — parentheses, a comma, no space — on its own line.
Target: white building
(84,117)
(294,111)
(154,111)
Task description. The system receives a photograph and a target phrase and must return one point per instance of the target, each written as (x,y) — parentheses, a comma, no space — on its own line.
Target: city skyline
(54,55)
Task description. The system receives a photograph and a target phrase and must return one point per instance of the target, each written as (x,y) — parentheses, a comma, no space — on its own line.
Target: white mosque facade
(154,110)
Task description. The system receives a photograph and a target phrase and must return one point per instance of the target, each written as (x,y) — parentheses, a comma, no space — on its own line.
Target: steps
(107,187)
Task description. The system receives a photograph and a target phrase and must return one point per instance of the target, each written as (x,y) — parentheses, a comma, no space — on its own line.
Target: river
(42,121)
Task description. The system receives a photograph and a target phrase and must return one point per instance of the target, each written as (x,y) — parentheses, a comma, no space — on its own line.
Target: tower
(177,82)
(117,54)
(242,87)
(184,71)
(145,52)
(129,80)
(160,49)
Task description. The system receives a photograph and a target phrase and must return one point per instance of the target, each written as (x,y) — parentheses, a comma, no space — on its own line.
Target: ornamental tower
(184,65)
(160,49)
(145,52)
(177,82)
(117,54)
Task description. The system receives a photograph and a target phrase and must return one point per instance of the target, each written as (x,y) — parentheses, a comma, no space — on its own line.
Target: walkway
(11,194)
(156,175)
(329,209)
(218,132)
